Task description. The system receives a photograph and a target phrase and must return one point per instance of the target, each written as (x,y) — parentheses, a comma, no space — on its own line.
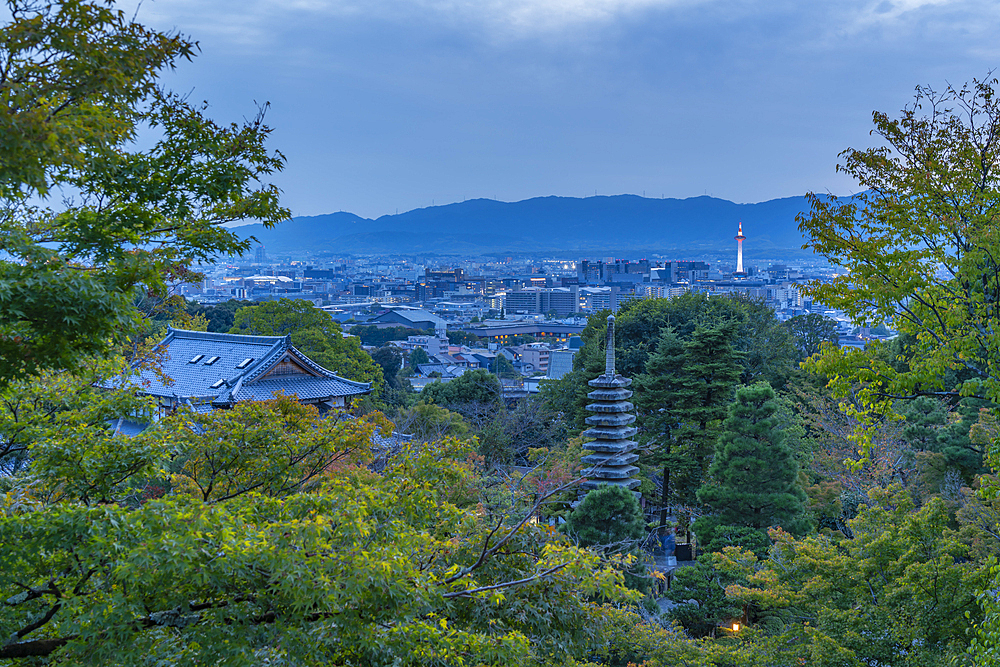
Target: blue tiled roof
(393,440)
(195,380)
(127,427)
(304,388)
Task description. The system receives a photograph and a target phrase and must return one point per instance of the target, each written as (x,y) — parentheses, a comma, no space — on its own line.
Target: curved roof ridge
(328,373)
(169,337)
(277,346)
(229,394)
(266,361)
(226,337)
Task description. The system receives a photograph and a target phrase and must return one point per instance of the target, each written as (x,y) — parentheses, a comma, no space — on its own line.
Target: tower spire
(609,354)
(739,249)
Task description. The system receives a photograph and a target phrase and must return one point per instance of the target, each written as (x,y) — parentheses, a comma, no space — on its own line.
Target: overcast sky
(382,105)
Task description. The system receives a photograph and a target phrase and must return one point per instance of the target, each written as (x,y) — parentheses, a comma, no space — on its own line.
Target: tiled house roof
(414,317)
(223,369)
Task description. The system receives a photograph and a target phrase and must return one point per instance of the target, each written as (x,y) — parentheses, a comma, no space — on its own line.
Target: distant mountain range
(479,226)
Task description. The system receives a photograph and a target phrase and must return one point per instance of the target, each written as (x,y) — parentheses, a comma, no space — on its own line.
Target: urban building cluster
(525,308)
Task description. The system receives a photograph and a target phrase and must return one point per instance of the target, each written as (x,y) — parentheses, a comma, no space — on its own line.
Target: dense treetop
(315,333)
(919,245)
(80,79)
(476,386)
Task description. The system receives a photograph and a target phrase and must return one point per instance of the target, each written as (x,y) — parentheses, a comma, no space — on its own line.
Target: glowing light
(739,251)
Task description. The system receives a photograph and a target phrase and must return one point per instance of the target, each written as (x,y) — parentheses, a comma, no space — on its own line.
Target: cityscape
(500,300)
(534,333)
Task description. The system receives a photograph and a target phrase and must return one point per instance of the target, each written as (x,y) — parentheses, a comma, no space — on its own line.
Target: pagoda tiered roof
(610,426)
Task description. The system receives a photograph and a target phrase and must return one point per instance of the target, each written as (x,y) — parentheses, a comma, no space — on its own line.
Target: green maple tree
(921,245)
(901,591)
(79,81)
(258,532)
(314,333)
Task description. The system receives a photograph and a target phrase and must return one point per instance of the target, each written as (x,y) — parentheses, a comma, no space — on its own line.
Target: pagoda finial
(609,367)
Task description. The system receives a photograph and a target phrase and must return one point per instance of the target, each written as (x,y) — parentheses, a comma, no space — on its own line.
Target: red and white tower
(739,249)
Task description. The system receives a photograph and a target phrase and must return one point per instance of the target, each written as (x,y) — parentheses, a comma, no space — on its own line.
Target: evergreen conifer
(682,398)
(754,476)
(610,516)
(661,405)
(607,515)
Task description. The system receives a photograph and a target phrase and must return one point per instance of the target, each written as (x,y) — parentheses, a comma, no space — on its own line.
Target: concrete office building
(564,301)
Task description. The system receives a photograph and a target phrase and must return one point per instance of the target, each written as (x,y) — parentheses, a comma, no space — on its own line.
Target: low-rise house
(536,354)
(445,370)
(523,367)
(450,360)
(479,358)
(431,344)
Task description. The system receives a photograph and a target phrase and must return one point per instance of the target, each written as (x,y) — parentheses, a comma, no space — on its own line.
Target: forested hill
(621,222)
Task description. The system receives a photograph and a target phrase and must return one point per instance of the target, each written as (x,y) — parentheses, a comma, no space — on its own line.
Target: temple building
(209,371)
(610,426)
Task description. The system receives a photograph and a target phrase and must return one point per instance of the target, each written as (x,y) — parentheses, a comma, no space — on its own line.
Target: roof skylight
(196,358)
(246,362)
(217,383)
(212,360)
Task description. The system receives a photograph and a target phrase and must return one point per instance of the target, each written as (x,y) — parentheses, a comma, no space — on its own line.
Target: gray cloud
(523,18)
(397,103)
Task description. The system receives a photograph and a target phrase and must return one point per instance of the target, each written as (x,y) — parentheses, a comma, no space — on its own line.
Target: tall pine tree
(660,403)
(753,480)
(681,400)
(610,517)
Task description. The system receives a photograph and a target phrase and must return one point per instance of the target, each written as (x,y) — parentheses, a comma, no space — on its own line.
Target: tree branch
(489,552)
(469,592)
(38,648)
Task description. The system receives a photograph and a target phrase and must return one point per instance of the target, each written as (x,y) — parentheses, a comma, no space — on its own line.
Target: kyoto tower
(739,249)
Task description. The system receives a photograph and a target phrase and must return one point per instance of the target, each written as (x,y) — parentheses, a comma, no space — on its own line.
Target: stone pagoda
(610,426)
